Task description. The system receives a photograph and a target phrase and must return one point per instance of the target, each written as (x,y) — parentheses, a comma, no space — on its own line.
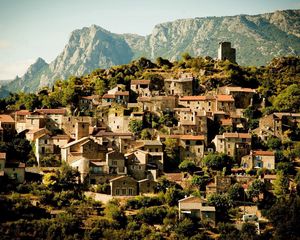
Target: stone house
(136,163)
(116,95)
(124,186)
(89,103)
(190,146)
(20,119)
(198,103)
(141,87)
(44,146)
(243,96)
(146,186)
(276,124)
(54,117)
(7,126)
(225,103)
(118,120)
(115,140)
(191,122)
(158,104)
(76,127)
(197,208)
(221,184)
(34,121)
(32,135)
(13,170)
(85,147)
(179,87)
(235,145)
(259,159)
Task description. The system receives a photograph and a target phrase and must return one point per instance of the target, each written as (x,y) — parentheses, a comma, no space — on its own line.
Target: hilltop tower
(225,51)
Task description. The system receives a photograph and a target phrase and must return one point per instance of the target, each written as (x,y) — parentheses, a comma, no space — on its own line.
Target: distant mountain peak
(257,39)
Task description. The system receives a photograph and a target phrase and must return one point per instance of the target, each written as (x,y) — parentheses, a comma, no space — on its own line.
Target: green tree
(187,166)
(218,161)
(236,192)
(288,100)
(200,181)
(222,204)
(186,228)
(256,188)
(172,196)
(135,126)
(281,185)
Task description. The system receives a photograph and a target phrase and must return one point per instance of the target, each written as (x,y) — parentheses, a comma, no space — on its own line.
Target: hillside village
(132,137)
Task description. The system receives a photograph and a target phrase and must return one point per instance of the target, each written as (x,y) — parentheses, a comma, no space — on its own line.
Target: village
(123,146)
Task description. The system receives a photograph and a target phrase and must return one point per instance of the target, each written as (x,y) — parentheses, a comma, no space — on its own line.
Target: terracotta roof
(225,98)
(110,134)
(182,109)
(2,155)
(280,115)
(23,112)
(226,122)
(263,153)
(193,199)
(187,123)
(121,177)
(105,96)
(57,111)
(192,98)
(192,137)
(174,177)
(184,137)
(137,82)
(6,118)
(122,93)
(270,176)
(237,135)
(240,89)
(61,137)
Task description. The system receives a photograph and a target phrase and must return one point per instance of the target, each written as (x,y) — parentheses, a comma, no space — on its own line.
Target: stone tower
(81,130)
(226,52)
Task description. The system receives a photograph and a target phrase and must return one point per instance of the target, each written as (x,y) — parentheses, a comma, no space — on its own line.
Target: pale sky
(40,28)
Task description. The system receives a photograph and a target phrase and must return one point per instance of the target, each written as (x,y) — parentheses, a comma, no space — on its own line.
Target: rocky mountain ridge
(257,38)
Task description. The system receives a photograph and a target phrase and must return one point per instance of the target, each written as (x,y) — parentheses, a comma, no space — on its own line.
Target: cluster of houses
(104,150)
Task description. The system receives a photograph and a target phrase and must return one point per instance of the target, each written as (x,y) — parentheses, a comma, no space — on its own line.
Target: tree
(200,181)
(288,100)
(222,204)
(135,126)
(172,196)
(256,188)
(186,228)
(236,192)
(284,216)
(273,143)
(217,161)
(281,185)
(187,166)
(145,134)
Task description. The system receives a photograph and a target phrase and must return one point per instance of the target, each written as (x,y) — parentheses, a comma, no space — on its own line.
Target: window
(124,191)
(130,191)
(114,162)
(45,141)
(117,191)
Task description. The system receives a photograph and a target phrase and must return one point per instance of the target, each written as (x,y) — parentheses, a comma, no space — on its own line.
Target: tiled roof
(6,118)
(237,135)
(226,122)
(23,112)
(122,93)
(110,134)
(2,155)
(105,96)
(240,89)
(193,199)
(57,111)
(263,153)
(137,82)
(225,98)
(192,98)
(184,137)
(182,109)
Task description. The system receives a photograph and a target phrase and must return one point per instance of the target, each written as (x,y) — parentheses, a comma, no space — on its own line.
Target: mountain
(257,39)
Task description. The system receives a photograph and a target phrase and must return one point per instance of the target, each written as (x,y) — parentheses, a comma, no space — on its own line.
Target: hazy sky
(40,28)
